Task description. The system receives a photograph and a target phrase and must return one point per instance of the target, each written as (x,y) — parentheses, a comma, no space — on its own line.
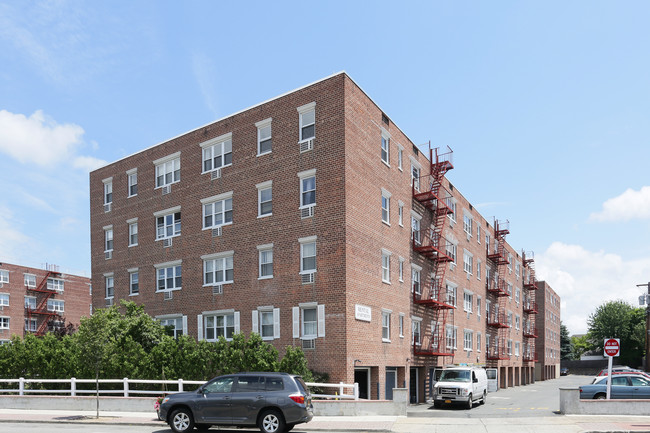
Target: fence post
(180,385)
(73,386)
(341,388)
(21,386)
(126,387)
(356,390)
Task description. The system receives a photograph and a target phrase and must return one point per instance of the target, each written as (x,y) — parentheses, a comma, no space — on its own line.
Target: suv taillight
(298,398)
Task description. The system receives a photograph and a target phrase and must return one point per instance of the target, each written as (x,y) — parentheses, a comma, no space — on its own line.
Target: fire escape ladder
(41,307)
(530,306)
(497,288)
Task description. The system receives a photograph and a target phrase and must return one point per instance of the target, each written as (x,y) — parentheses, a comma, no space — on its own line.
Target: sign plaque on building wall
(363,312)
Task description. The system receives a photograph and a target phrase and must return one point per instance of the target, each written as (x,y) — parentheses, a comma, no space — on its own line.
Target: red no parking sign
(612,347)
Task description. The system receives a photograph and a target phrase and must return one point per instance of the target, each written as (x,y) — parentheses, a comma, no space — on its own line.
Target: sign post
(612,348)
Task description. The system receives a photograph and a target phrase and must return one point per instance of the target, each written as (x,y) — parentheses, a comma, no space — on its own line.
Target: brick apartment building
(313,220)
(548,356)
(36,301)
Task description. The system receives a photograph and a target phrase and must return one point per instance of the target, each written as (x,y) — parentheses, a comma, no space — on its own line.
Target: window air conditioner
(306,145)
(307,278)
(169,295)
(167,242)
(216,232)
(309,344)
(307,212)
(216,174)
(166,189)
(108,207)
(109,302)
(217,290)
(108,254)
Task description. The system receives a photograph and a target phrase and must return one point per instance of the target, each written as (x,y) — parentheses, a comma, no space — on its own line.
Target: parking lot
(538,399)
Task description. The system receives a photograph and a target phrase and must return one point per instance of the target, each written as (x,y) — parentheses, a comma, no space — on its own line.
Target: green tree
(618,319)
(565,342)
(580,345)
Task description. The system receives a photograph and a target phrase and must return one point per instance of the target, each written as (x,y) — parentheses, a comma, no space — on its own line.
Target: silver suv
(274,402)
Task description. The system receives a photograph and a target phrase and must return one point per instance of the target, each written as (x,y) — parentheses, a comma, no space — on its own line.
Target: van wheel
(469,402)
(484,399)
(181,421)
(271,421)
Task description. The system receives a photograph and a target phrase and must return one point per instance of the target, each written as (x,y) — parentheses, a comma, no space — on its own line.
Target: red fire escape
(497,293)
(43,316)
(530,307)
(431,243)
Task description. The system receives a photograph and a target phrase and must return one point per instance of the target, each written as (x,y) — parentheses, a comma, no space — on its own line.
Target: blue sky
(545,104)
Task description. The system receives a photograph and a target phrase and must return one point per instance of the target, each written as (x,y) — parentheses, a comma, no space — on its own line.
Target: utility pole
(645,300)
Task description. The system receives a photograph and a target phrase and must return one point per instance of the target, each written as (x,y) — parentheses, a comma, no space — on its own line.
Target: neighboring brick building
(547,365)
(297,221)
(35,301)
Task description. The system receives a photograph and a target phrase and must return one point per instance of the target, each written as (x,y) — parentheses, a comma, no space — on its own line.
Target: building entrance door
(391,381)
(413,385)
(362,377)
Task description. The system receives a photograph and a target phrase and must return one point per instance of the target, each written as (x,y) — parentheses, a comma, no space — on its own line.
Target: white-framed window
(265,261)
(4,299)
(385,147)
(415,174)
(385,326)
(415,228)
(450,337)
(308,321)
(176,325)
(168,223)
(468,340)
(451,294)
(57,305)
(487,240)
(134,281)
(509,263)
(517,295)
(385,206)
(4,322)
(133,232)
(266,322)
(516,348)
(487,343)
(108,238)
(509,318)
(264,141)
(468,262)
(307,255)
(468,301)
(168,276)
(452,205)
(264,199)
(517,322)
(517,269)
(509,347)
(4,276)
(223,324)
(30,302)
(168,170)
(478,232)
(478,341)
(416,326)
(109,286)
(307,188)
(478,306)
(478,270)
(218,268)
(55,284)
(217,210)
(401,269)
(307,115)
(31,325)
(400,157)
(132,182)
(30,280)
(467,224)
(401,325)
(217,153)
(510,290)
(452,250)
(400,213)
(385,265)
(108,191)
(415,278)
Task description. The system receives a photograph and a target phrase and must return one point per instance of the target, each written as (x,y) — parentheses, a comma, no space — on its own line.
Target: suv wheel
(271,421)
(470,402)
(181,421)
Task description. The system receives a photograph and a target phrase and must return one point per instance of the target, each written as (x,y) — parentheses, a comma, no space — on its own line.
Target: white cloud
(37,138)
(204,70)
(586,279)
(15,246)
(88,163)
(627,206)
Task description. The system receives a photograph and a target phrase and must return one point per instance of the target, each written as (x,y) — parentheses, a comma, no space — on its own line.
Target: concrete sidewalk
(398,424)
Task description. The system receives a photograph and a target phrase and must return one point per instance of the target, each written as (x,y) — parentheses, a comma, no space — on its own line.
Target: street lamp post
(645,300)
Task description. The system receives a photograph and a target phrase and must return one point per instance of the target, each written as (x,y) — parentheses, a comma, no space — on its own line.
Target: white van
(464,385)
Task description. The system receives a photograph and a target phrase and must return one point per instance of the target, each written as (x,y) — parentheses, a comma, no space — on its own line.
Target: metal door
(391,382)
(492,379)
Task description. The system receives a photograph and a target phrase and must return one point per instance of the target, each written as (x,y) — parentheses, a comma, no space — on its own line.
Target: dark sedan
(624,386)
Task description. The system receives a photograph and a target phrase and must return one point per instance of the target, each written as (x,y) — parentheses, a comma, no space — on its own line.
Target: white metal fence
(341,390)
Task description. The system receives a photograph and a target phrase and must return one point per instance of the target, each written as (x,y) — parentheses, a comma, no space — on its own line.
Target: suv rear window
(302,385)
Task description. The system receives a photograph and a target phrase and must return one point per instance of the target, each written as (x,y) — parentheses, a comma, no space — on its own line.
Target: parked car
(617,373)
(564,371)
(464,385)
(617,369)
(624,385)
(274,402)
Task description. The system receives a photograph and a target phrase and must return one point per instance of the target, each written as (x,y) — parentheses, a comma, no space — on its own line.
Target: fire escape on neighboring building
(497,294)
(40,311)
(431,243)
(530,307)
